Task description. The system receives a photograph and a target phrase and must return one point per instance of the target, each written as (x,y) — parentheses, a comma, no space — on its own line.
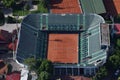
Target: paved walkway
(65,6)
(10,27)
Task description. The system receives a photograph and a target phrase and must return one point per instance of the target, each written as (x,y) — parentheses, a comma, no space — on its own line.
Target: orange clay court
(66,6)
(117,5)
(63,48)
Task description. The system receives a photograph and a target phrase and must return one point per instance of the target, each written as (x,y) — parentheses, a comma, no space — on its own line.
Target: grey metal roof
(92,6)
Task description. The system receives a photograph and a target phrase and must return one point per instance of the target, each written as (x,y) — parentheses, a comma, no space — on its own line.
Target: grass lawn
(20,12)
(18,9)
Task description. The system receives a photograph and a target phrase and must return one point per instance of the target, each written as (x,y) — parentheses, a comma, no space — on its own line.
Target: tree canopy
(8,3)
(46,65)
(44,76)
(30,62)
(43,68)
(114,60)
(102,72)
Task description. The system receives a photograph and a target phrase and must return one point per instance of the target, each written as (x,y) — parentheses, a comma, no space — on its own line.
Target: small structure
(105,34)
(73,42)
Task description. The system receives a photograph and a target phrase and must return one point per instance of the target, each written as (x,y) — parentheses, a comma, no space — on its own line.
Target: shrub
(11,19)
(27,7)
(44,76)
(118,42)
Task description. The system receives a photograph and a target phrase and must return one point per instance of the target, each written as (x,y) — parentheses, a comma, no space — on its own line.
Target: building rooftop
(93,6)
(13,76)
(38,29)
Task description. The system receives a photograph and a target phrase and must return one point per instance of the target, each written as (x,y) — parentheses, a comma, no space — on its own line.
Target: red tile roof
(2,38)
(74,78)
(65,6)
(13,76)
(5,36)
(11,45)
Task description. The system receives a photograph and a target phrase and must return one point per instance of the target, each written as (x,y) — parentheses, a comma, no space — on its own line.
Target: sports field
(63,48)
(117,5)
(65,6)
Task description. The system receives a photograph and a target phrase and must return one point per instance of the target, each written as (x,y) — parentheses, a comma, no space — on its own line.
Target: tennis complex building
(75,43)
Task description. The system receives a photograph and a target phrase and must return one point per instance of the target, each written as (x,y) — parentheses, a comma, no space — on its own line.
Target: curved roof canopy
(36,28)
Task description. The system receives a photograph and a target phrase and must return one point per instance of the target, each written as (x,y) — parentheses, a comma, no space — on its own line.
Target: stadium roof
(36,27)
(93,6)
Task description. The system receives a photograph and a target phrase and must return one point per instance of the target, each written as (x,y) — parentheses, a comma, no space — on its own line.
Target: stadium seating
(86,25)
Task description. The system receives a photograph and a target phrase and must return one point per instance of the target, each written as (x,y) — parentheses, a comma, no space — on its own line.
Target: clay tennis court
(63,48)
(65,6)
(117,5)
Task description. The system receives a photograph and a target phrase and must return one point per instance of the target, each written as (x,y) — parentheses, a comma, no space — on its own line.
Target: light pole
(17,22)
(112,19)
(13,46)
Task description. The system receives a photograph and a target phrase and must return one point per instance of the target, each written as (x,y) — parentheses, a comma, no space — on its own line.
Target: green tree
(118,42)
(8,3)
(114,60)
(38,63)
(31,63)
(102,72)
(47,66)
(44,76)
